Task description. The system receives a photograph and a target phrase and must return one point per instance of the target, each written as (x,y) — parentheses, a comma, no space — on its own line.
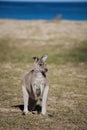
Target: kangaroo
(35,84)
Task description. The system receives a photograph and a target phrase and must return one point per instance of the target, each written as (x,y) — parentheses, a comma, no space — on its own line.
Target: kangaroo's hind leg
(44,99)
(26,99)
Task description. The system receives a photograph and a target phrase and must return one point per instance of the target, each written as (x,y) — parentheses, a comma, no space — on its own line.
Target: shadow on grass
(32,106)
(21,107)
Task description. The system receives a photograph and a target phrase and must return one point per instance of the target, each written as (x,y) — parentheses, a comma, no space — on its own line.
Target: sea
(43,10)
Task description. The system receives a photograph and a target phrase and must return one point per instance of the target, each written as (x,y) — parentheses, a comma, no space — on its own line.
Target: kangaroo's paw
(25,112)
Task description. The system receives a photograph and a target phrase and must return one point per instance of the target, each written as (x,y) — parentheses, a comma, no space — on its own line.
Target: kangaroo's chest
(39,81)
(38,85)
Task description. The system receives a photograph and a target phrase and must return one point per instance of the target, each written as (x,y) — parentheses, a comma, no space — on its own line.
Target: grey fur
(35,84)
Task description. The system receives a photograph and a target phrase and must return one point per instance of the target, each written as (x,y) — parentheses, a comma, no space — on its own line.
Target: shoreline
(13,19)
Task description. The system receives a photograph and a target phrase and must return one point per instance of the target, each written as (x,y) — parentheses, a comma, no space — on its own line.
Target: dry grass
(66,44)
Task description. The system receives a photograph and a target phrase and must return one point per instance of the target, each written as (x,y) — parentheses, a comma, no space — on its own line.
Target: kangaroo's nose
(46,70)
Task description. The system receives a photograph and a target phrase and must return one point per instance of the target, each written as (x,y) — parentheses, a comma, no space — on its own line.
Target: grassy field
(66,45)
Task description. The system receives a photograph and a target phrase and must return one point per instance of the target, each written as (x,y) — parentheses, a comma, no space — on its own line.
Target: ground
(65,42)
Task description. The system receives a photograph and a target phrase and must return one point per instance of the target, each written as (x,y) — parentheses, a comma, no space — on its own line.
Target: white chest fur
(39,81)
(38,84)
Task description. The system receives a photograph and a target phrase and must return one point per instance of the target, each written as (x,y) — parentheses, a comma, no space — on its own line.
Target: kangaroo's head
(40,64)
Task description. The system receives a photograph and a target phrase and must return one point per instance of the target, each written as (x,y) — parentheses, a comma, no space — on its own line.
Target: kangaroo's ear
(44,57)
(35,59)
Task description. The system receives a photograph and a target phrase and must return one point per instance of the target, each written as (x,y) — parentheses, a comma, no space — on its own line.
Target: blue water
(45,11)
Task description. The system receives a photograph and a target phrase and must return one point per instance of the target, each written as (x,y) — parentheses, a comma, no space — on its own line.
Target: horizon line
(42,1)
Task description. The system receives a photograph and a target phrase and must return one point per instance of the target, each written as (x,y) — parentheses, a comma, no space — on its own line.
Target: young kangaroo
(35,84)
